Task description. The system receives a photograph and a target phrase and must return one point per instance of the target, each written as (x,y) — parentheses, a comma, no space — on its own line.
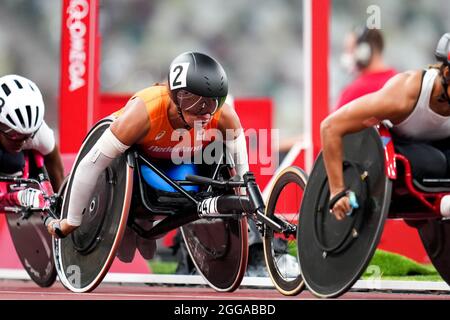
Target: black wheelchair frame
(231,205)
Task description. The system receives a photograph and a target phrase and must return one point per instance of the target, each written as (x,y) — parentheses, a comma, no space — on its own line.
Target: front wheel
(219,247)
(280,248)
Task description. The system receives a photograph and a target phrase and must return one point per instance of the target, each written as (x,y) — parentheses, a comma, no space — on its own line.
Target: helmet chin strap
(186,125)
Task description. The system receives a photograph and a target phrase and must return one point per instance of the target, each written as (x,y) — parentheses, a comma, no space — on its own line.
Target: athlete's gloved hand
(64,227)
(345,205)
(31,198)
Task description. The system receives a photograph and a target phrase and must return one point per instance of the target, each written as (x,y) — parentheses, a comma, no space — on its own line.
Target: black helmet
(199,74)
(442,52)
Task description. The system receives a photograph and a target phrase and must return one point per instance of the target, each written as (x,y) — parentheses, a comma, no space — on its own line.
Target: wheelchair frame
(426,201)
(251,205)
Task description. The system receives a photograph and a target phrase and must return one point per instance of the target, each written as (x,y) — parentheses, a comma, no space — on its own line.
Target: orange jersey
(163,141)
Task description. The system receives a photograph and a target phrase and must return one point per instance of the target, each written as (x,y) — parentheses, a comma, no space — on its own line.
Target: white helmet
(21,104)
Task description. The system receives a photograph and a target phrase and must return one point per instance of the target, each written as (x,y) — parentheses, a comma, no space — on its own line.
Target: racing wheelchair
(31,240)
(211,213)
(334,254)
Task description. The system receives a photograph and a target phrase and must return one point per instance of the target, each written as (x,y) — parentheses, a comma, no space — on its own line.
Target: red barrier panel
(79,83)
(320,16)
(256,116)
(400,238)
(8,255)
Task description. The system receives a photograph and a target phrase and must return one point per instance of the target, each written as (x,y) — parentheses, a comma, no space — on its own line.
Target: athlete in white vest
(417,103)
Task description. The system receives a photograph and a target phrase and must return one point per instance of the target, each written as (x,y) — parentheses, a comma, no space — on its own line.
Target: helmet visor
(198,105)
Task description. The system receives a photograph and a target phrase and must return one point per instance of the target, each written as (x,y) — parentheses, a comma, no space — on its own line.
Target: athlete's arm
(231,129)
(55,168)
(393,102)
(44,142)
(131,126)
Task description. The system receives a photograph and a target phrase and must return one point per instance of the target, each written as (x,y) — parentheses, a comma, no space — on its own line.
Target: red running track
(19,290)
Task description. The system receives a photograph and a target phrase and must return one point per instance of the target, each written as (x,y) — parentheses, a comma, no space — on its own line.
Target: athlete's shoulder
(43,140)
(406,83)
(400,93)
(228,110)
(407,77)
(155,92)
(228,118)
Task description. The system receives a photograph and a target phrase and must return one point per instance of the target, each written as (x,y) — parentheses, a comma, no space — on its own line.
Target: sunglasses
(198,105)
(207,106)
(12,135)
(201,106)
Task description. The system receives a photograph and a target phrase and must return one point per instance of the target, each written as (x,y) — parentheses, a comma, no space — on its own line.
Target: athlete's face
(446,75)
(11,140)
(197,108)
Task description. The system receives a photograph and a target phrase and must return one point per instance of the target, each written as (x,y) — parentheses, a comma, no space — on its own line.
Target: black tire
(291,182)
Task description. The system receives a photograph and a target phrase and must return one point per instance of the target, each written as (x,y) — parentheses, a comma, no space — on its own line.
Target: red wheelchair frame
(12,183)
(419,206)
(398,169)
(27,225)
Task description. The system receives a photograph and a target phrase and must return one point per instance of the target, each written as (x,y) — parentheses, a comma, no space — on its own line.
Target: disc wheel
(84,257)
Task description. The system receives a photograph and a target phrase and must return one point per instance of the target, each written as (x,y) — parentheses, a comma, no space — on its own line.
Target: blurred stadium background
(259,42)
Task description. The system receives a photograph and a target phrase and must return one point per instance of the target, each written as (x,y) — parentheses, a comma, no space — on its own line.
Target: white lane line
(170,295)
(254,282)
(402,285)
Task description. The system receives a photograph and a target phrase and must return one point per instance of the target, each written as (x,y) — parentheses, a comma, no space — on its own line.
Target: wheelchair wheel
(33,244)
(83,258)
(334,254)
(34,248)
(219,250)
(280,249)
